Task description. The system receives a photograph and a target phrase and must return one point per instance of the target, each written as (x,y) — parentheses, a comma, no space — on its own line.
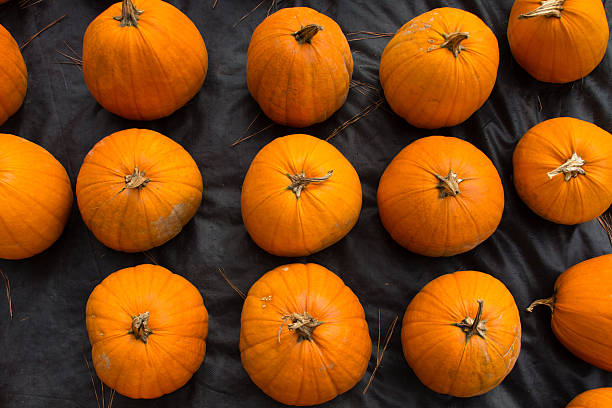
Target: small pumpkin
(303,335)
(137,189)
(461,334)
(143,60)
(440,196)
(35,198)
(299,66)
(439,68)
(300,195)
(563,170)
(13,76)
(582,310)
(595,398)
(558,41)
(147,327)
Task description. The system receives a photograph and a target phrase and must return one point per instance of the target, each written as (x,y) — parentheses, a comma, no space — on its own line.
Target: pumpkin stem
(473,326)
(129,14)
(571,168)
(303,324)
(300,181)
(136,180)
(550,302)
(453,42)
(305,34)
(140,330)
(449,185)
(548,8)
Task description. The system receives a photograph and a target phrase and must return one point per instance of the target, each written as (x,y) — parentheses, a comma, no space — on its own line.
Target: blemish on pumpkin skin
(106,364)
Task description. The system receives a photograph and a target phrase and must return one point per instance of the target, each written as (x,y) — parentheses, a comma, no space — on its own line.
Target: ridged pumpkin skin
(426,215)
(577,194)
(124,210)
(558,49)
(287,222)
(147,71)
(13,76)
(446,357)
(595,398)
(153,355)
(582,310)
(299,84)
(35,198)
(309,365)
(425,82)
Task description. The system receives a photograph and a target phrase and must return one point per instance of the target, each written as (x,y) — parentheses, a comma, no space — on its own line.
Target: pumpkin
(582,310)
(558,41)
(143,60)
(299,196)
(299,66)
(440,196)
(303,335)
(13,76)
(461,334)
(563,170)
(147,327)
(439,68)
(35,198)
(595,398)
(137,189)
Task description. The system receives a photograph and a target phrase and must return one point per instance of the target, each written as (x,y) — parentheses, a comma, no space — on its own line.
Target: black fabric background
(41,360)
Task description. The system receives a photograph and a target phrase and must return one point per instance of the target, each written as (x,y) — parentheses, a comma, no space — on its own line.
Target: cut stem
(548,8)
(140,328)
(571,168)
(303,324)
(136,180)
(129,14)
(300,181)
(306,33)
(449,185)
(550,302)
(474,326)
(453,42)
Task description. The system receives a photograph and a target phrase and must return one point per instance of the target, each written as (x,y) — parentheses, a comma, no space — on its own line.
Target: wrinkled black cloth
(42,348)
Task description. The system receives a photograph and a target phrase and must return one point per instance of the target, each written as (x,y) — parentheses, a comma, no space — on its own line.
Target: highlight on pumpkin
(142,303)
(303,335)
(144,204)
(13,76)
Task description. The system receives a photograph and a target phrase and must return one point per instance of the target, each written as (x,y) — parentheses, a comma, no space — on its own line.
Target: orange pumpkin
(303,335)
(563,170)
(596,398)
(439,68)
(13,76)
(581,308)
(440,196)
(461,334)
(143,60)
(137,189)
(300,195)
(299,66)
(35,198)
(558,41)
(147,328)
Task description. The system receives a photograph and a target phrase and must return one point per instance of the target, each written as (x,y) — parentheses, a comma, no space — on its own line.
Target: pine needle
(23,4)
(249,13)
(364,112)
(151,258)
(7,285)
(229,282)
(93,383)
(74,59)
(606,222)
(215,4)
(368,35)
(242,139)
(381,353)
(41,31)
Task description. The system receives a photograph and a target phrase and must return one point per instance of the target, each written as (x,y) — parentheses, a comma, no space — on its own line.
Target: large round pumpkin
(35,198)
(461,334)
(440,196)
(299,66)
(558,40)
(581,308)
(137,189)
(143,60)
(13,76)
(563,170)
(300,195)
(439,68)
(595,398)
(147,328)
(303,337)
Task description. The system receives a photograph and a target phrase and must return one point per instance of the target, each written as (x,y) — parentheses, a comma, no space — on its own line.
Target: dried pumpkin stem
(300,181)
(136,180)
(449,185)
(550,302)
(303,324)
(571,168)
(306,33)
(474,326)
(140,328)
(129,14)
(548,8)
(452,42)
